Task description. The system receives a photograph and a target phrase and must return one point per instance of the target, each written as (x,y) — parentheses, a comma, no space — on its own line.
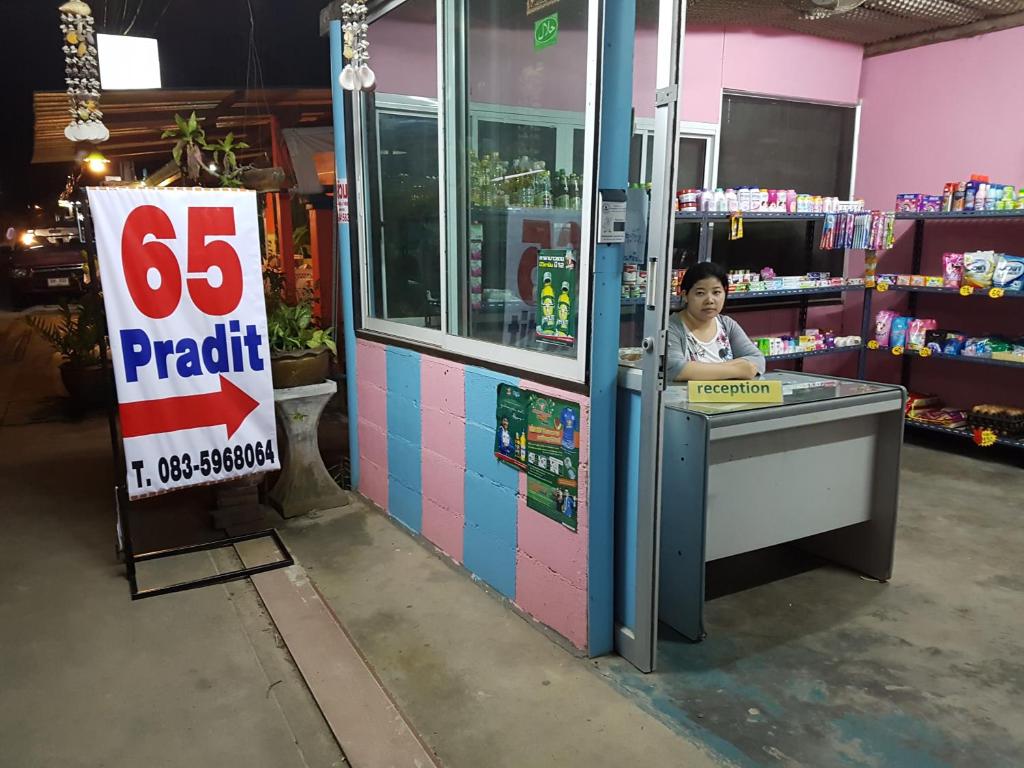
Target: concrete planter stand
(304,484)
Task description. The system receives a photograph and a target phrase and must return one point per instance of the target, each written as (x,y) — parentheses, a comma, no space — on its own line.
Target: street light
(96,162)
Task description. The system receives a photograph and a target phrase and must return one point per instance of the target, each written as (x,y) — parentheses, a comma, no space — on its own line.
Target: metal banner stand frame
(122,504)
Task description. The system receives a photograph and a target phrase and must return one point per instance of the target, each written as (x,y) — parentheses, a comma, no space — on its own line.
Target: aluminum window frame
(454,230)
(688,129)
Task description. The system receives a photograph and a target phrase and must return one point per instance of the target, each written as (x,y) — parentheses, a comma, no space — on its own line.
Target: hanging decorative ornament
(81,73)
(357,74)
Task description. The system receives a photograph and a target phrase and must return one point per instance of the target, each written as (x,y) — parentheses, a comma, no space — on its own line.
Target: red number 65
(139,256)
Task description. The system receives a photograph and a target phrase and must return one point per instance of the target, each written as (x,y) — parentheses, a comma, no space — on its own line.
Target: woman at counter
(703,345)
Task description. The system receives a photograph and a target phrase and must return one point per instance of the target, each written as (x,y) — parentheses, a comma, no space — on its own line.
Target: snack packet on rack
(979,346)
(917,331)
(953,269)
(883,326)
(954,344)
(898,334)
(1009,273)
(978,268)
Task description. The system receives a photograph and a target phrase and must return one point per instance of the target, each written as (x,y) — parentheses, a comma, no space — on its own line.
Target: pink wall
(403,55)
(931,116)
(508,70)
(950,124)
(759,61)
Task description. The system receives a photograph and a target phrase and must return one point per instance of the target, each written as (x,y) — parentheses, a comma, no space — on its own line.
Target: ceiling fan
(822,9)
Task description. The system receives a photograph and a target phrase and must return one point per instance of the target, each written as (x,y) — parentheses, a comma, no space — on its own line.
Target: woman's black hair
(702,271)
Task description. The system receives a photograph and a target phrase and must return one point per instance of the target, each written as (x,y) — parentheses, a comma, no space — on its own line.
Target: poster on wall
(529,231)
(553,458)
(556,296)
(510,426)
(183,292)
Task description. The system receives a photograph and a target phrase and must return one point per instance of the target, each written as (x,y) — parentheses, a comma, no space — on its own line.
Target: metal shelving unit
(747,295)
(960,215)
(742,300)
(914,292)
(977,293)
(749,216)
(812,353)
(964,432)
(958,358)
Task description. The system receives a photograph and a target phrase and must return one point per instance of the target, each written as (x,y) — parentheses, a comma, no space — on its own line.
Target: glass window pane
(649,159)
(578,146)
(692,153)
(403,216)
(636,145)
(518,256)
(779,144)
(517,140)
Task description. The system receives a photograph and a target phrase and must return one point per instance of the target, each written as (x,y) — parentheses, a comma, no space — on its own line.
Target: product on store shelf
(949,418)
(953,269)
(954,344)
(982,346)
(760,200)
(909,202)
(917,330)
(1001,419)
(811,340)
(917,402)
(978,268)
(883,326)
(898,334)
(978,194)
(1009,273)
(934,341)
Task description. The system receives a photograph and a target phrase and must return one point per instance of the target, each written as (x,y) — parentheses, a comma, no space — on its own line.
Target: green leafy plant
(190,140)
(229,171)
(300,241)
(291,329)
(75,334)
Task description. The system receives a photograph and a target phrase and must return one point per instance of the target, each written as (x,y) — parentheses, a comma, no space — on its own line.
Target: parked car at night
(47,273)
(47,260)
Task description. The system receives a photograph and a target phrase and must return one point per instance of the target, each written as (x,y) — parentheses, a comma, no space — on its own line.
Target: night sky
(203,44)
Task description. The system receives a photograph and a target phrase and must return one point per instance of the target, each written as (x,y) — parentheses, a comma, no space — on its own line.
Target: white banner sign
(183,290)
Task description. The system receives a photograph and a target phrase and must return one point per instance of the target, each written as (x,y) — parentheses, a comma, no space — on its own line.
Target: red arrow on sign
(230,407)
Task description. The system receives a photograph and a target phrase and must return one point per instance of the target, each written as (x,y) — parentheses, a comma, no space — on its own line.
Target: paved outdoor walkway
(89,679)
(483,686)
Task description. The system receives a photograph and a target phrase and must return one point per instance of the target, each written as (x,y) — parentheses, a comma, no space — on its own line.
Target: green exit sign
(545,32)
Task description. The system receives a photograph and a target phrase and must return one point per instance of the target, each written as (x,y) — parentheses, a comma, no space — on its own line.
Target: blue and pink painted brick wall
(426,448)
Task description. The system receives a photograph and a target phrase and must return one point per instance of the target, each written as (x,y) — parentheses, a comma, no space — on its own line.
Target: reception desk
(821,469)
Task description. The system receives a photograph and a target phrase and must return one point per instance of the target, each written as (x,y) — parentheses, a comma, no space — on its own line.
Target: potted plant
(299,350)
(189,143)
(228,170)
(76,336)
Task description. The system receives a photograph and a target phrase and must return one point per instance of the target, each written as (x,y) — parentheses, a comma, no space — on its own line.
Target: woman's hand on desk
(741,369)
(744,369)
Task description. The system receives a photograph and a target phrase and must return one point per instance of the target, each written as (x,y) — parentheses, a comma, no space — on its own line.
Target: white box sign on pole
(183,289)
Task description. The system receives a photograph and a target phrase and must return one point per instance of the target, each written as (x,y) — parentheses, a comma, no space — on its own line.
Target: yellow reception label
(735,391)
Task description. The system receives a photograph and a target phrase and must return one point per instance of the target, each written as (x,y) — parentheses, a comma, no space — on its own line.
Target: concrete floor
(89,678)
(827,669)
(821,668)
(483,687)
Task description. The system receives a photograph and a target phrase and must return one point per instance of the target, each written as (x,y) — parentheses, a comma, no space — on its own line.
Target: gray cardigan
(742,346)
